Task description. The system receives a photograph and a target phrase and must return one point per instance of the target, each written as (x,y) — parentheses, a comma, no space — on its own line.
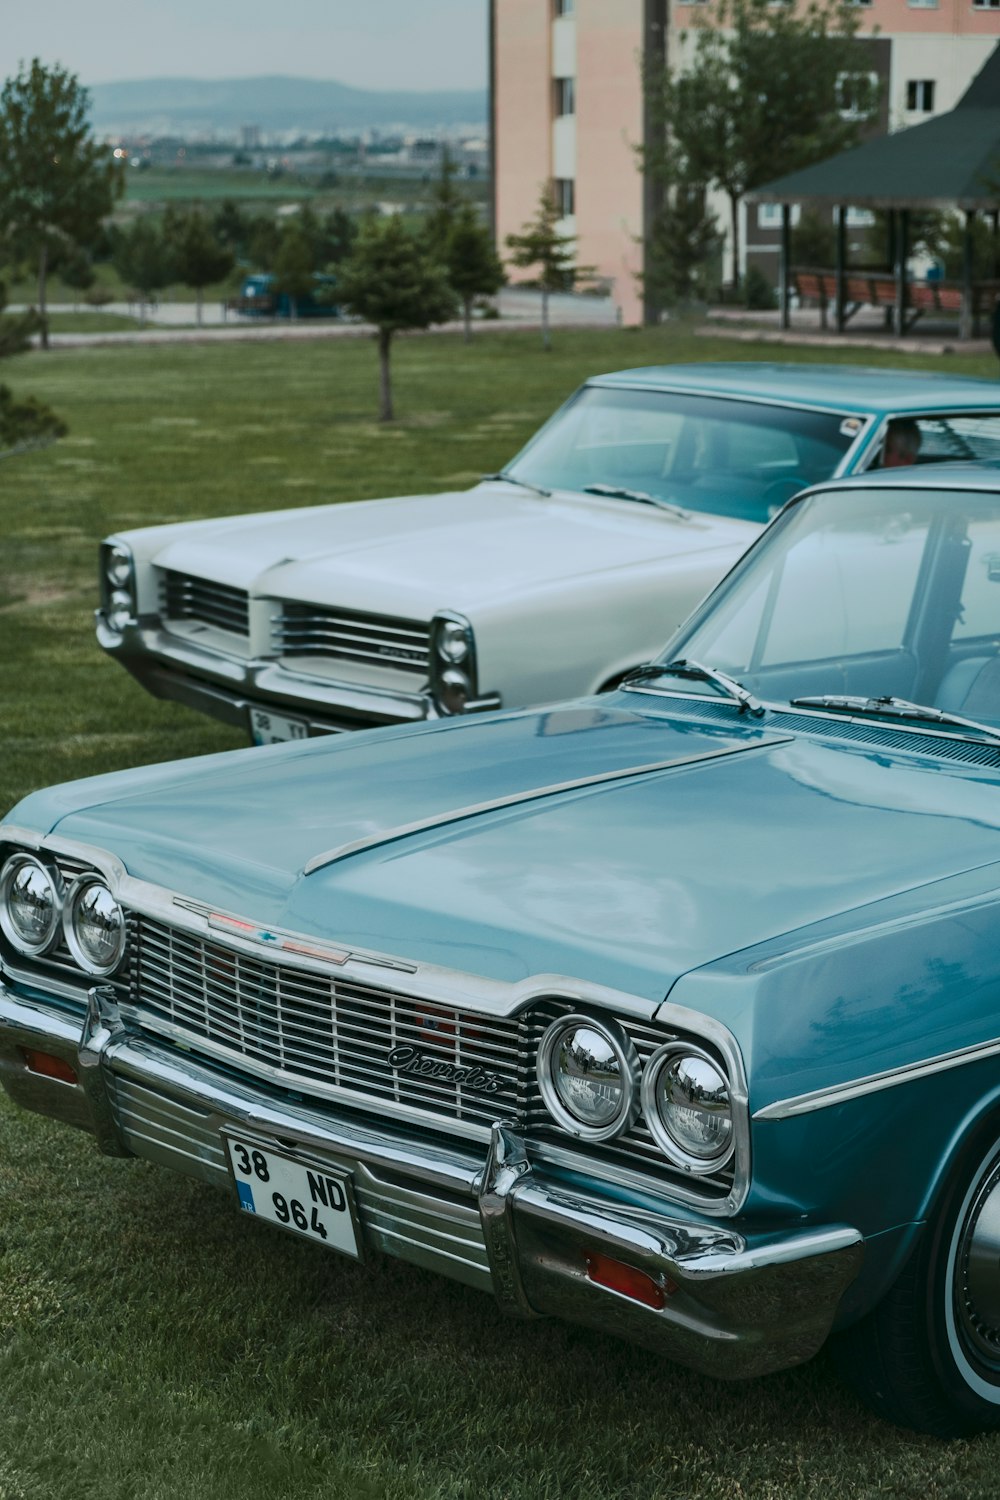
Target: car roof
(848,388)
(984,474)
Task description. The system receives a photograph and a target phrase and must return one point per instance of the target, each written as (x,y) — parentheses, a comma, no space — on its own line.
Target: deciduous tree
(56,182)
(474,268)
(199,257)
(143,260)
(24,423)
(770,88)
(294,265)
(391,281)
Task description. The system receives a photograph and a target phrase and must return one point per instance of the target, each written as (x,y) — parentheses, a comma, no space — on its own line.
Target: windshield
(704,453)
(869,592)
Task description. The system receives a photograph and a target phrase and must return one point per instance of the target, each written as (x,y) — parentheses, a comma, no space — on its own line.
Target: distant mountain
(275,104)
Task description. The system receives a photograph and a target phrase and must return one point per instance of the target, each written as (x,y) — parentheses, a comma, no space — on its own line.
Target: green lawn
(154,1342)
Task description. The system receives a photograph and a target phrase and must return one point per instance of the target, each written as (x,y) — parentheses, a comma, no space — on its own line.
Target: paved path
(175,322)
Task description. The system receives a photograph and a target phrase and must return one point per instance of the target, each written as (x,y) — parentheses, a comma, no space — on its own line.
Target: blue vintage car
(673,1011)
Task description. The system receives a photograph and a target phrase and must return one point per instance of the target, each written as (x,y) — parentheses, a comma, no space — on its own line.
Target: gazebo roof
(952,161)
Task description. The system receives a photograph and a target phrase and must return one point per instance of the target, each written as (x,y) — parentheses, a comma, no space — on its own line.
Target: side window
(937,439)
(980,612)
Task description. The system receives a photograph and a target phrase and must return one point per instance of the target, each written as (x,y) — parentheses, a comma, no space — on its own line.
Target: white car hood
(459,550)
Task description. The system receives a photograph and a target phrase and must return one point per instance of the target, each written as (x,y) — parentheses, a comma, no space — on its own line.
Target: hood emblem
(410,1060)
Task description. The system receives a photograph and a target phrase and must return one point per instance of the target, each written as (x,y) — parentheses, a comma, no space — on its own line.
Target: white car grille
(184,597)
(380,640)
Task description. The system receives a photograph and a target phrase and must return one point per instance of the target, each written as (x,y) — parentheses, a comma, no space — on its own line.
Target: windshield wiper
(894,708)
(513,479)
(618,492)
(683,667)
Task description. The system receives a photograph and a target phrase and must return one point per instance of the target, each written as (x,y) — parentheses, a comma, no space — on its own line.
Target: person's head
(902,443)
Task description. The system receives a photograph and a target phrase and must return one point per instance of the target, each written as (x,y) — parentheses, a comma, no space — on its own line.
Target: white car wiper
(894,708)
(619,492)
(683,667)
(513,479)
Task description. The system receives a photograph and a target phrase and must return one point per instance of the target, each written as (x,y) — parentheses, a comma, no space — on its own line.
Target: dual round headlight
(588,1072)
(30,904)
(453,664)
(119,583)
(94,924)
(593,1085)
(35,907)
(687,1106)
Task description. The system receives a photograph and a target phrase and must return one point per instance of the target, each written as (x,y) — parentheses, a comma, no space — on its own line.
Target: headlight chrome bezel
(119,595)
(8,874)
(453,676)
(674,1149)
(71,906)
(624,1051)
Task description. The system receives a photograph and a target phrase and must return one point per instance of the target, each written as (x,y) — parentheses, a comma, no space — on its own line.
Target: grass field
(157,1345)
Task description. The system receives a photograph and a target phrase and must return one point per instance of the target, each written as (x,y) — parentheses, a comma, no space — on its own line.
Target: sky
(370,44)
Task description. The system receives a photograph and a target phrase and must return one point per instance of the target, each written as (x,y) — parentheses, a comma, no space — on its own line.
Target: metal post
(785,267)
(965,321)
(902,250)
(841,265)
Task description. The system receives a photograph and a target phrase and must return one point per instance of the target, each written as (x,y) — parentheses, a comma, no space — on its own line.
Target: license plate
(313,1201)
(273,729)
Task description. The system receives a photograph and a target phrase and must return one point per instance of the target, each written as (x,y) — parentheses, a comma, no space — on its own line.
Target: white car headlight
(30,904)
(687,1106)
(94,924)
(118,567)
(588,1073)
(454,641)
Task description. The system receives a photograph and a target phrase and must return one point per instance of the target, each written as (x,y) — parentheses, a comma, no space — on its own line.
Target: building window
(769,215)
(920,95)
(564,91)
(856,94)
(564,189)
(859,218)
(923,4)
(986,4)
(563,7)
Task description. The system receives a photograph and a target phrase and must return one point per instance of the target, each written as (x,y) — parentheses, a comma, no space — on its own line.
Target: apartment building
(567,108)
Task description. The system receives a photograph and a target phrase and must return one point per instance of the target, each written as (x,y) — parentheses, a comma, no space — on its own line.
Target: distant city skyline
(371,44)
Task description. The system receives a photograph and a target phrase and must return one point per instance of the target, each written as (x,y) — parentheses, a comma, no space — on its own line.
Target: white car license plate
(273,729)
(313,1201)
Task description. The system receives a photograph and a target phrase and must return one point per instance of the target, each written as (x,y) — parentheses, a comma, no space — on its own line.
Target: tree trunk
(467,313)
(385,412)
(734,220)
(43,270)
(546,336)
(198,297)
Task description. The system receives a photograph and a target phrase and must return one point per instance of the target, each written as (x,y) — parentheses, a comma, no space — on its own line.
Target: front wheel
(928,1356)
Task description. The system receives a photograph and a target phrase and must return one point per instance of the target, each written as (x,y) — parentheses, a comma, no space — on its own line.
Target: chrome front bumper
(733,1304)
(228,687)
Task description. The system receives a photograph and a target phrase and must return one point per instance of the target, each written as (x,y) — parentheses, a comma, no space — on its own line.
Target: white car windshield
(866,593)
(699,452)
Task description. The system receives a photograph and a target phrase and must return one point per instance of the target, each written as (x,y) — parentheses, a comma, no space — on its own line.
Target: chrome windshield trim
(532,794)
(842,1093)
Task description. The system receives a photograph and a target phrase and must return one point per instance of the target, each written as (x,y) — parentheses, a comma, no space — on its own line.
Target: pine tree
(541,244)
(474,268)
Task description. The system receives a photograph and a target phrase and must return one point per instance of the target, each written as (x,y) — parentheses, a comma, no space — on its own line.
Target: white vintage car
(551,579)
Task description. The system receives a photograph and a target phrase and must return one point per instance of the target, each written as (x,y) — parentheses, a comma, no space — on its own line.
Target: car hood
(455,550)
(742,833)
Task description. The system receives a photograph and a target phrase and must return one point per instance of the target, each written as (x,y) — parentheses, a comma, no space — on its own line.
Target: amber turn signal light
(619,1277)
(48,1066)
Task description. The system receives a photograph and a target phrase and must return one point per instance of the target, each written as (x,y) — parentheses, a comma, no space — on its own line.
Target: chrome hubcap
(977,1270)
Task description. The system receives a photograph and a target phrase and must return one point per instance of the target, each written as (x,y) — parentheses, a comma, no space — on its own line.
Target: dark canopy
(952,161)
